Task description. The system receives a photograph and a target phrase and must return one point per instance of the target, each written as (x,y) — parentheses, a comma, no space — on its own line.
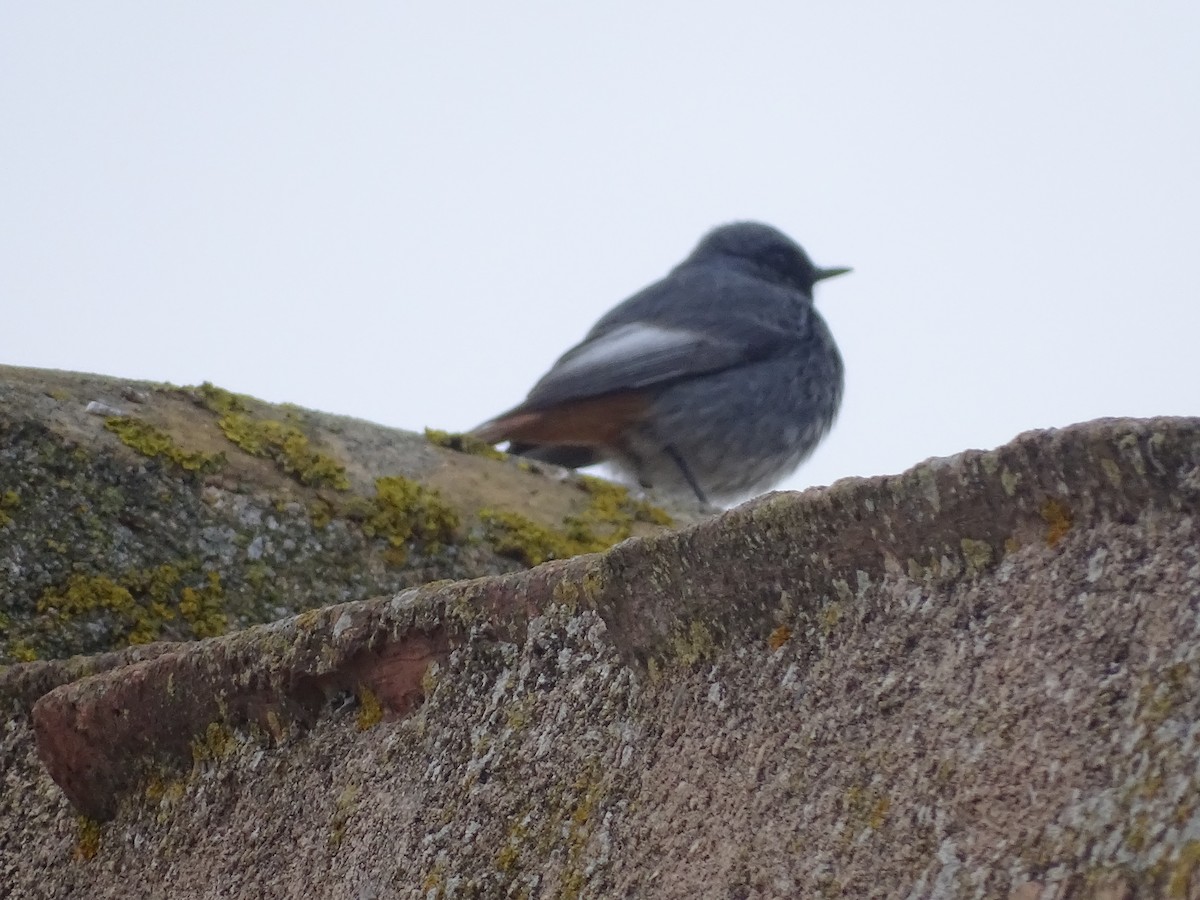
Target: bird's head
(765,251)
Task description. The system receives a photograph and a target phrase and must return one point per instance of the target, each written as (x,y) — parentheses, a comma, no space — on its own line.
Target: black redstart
(718,380)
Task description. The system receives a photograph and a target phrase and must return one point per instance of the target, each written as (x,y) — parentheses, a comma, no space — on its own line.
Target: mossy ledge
(280,441)
(608,518)
(155,443)
(462,443)
(250,511)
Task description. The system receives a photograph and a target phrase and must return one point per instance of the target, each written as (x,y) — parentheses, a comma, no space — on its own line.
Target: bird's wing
(641,354)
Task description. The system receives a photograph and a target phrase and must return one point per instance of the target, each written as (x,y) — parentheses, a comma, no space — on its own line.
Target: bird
(717,381)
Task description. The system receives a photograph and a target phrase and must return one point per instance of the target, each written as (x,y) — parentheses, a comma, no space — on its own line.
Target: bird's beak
(822,274)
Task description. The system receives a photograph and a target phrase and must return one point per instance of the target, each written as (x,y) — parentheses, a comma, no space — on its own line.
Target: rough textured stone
(133,512)
(980,678)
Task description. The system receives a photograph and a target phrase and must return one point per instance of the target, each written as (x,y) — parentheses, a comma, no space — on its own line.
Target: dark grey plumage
(719,379)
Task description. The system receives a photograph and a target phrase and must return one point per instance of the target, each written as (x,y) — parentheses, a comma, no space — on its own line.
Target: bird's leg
(686,472)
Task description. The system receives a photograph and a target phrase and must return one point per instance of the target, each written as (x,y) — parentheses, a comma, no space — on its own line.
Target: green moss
(157,444)
(462,443)
(281,442)
(404,510)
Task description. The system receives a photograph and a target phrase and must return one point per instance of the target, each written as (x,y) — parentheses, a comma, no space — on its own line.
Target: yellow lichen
(203,609)
(1135,833)
(344,808)
(977,555)
(1058,521)
(85,594)
(865,807)
(518,833)
(879,812)
(519,714)
(613,503)
(154,788)
(88,844)
(507,857)
(1183,871)
(9,500)
(830,616)
(607,519)
(588,788)
(281,442)
(370,710)
(216,742)
(164,792)
(514,535)
(696,644)
(429,680)
(462,443)
(22,652)
(141,601)
(320,512)
(779,637)
(1160,697)
(404,510)
(275,726)
(155,443)
(434,879)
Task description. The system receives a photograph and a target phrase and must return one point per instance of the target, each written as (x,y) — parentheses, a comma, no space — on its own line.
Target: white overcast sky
(405,212)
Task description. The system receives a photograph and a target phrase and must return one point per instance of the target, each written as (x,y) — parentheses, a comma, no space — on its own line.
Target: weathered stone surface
(134,512)
(979,678)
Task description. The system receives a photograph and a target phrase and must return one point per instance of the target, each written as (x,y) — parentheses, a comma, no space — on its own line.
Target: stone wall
(980,678)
